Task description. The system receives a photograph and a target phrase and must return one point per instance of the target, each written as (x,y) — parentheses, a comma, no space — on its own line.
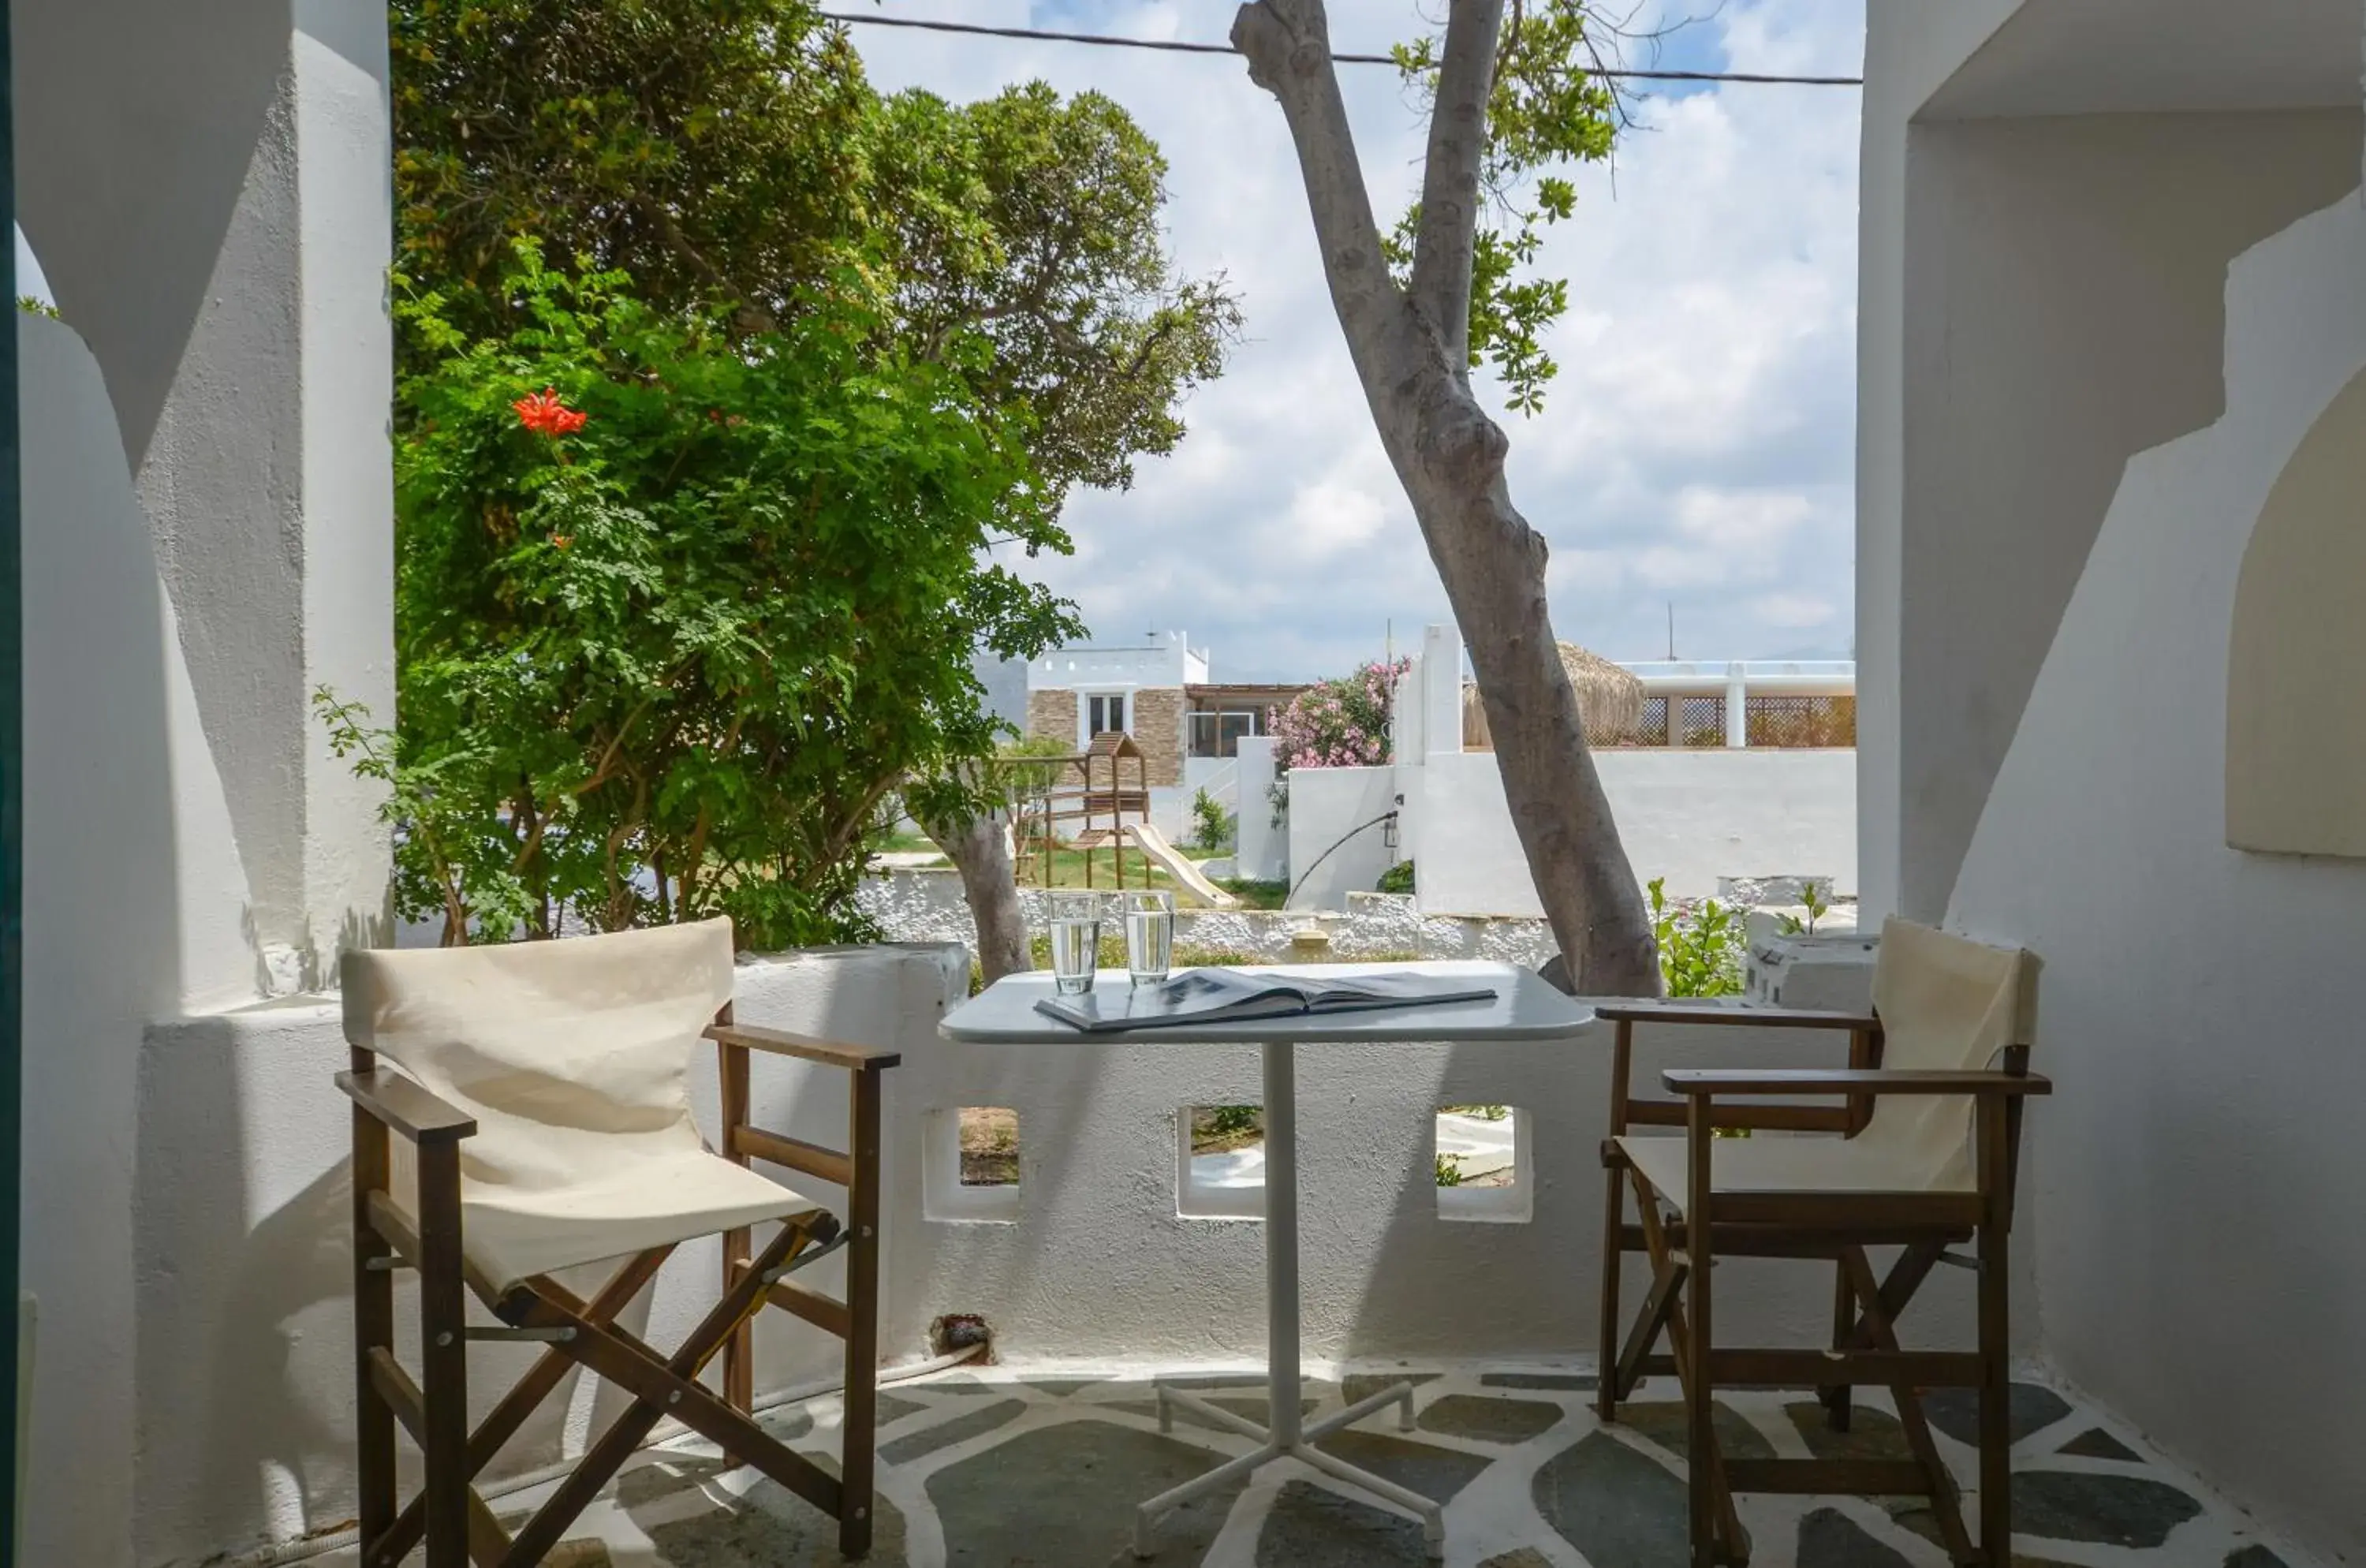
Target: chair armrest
(853,1058)
(1678,1010)
(408,1107)
(1844,1081)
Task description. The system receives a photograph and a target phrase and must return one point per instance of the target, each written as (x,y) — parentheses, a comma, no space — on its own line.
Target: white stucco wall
(119,864)
(1329,857)
(1693,817)
(208,191)
(2199,1173)
(2040,300)
(2081,259)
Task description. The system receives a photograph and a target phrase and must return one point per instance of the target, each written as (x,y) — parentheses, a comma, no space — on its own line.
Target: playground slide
(1152,842)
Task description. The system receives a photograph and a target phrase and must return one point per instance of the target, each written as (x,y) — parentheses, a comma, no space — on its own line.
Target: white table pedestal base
(1284,1438)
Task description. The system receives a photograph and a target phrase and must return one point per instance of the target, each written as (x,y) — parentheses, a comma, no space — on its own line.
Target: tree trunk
(1407,347)
(980,849)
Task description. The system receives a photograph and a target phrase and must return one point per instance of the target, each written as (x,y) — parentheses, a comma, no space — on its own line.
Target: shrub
(676,607)
(1342,723)
(1212,825)
(1398,878)
(1701,944)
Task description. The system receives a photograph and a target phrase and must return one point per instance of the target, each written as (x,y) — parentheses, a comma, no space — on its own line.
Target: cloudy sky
(1695,449)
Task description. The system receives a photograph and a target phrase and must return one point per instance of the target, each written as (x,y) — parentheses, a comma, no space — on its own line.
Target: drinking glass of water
(1149,935)
(1076,940)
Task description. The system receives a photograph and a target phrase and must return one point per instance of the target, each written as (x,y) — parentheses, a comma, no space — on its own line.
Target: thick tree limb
(1449,456)
(1449,181)
(979,848)
(1287,43)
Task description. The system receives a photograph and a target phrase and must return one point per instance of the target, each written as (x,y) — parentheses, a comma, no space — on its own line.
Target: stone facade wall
(1158,730)
(1051,716)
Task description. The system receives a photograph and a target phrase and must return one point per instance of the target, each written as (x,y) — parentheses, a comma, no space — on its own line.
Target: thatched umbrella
(1609,700)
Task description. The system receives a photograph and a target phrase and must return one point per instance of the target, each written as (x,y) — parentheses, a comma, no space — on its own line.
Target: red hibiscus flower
(545,415)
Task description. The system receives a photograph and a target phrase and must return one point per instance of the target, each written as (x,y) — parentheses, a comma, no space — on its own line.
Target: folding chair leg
(1837,1399)
(624,1437)
(1700,1395)
(1875,1330)
(442,1331)
(518,1405)
(739,1246)
(858,1457)
(1614,1215)
(1996,1378)
(373,1330)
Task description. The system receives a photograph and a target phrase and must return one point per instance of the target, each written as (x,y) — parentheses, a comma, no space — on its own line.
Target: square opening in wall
(989,1146)
(1221,1155)
(1480,1161)
(969,1165)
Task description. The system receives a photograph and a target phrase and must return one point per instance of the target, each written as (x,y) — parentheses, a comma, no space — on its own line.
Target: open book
(1232,995)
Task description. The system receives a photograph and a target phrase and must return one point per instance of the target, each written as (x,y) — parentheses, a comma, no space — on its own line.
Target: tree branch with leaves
(1509,98)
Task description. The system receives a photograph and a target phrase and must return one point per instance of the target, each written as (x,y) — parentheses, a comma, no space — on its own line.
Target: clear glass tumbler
(1076,940)
(1149,935)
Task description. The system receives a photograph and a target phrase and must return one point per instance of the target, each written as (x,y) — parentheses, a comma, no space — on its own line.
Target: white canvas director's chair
(1923,1159)
(544,1088)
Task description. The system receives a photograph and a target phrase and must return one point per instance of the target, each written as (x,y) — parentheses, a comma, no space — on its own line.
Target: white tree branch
(1449,181)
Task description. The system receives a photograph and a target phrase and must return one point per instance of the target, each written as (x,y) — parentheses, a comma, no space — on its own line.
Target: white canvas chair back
(1946,1003)
(574,1059)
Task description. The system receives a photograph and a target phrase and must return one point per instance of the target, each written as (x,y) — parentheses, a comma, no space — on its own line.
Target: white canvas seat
(574,1059)
(1776,1162)
(1944,1003)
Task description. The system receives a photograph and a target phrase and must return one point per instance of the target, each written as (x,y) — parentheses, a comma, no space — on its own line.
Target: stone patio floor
(1011,1467)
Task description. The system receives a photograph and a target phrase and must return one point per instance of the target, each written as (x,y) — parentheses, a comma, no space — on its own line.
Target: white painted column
(1737,706)
(208,191)
(1262,853)
(1441,687)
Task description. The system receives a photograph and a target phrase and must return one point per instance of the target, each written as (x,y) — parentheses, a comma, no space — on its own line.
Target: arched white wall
(2063,311)
(2295,705)
(2197,1176)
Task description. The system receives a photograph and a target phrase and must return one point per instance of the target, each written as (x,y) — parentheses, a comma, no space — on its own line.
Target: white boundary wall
(1691,816)
(1336,844)
(242,1336)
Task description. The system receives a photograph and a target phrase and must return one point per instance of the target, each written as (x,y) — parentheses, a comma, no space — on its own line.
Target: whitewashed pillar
(1262,852)
(1441,687)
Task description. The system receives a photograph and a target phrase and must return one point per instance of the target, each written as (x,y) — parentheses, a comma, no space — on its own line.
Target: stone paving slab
(1042,1468)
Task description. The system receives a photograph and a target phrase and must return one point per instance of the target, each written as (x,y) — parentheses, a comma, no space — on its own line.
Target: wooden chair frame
(448,1515)
(1836,1226)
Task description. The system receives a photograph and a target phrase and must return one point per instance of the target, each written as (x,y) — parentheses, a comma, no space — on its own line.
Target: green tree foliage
(670,635)
(1551,110)
(729,153)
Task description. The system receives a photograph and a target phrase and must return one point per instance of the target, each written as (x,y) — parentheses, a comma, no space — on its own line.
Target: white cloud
(1696,448)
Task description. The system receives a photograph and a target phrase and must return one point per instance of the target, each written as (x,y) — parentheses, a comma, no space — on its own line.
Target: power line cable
(1177,46)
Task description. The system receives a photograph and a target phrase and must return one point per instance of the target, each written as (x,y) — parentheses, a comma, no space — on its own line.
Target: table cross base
(1285,1440)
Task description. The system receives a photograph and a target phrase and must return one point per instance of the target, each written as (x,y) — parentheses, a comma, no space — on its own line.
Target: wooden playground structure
(1090,789)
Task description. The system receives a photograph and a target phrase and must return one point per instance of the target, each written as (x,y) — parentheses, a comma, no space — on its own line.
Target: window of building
(1219,734)
(1104,713)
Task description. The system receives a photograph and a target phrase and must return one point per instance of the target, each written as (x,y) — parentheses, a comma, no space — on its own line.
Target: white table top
(1525,1007)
